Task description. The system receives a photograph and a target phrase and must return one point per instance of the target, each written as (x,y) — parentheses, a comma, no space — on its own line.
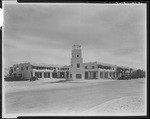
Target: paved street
(71,97)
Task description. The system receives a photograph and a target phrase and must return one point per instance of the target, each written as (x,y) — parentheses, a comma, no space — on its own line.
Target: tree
(139,73)
(133,75)
(10,72)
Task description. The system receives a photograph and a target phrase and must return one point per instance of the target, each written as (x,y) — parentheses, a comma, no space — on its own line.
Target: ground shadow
(141,82)
(64,81)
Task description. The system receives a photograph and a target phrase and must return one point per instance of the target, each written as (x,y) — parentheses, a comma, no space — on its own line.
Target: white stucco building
(76,71)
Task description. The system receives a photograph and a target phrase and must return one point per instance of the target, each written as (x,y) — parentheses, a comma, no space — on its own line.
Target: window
(85,67)
(37,74)
(20,75)
(101,74)
(106,75)
(92,67)
(45,75)
(40,75)
(14,69)
(70,75)
(21,68)
(78,65)
(26,68)
(77,55)
(86,75)
(78,76)
(48,74)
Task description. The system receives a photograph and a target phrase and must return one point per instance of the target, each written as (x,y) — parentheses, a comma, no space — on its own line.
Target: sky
(44,33)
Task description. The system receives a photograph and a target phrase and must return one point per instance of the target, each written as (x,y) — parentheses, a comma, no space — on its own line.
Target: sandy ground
(88,97)
(18,86)
(130,105)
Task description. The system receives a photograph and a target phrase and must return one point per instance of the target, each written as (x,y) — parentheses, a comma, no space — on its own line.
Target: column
(42,74)
(115,75)
(91,76)
(88,74)
(51,75)
(58,74)
(103,75)
(108,75)
(67,75)
(46,74)
(33,73)
(98,74)
(64,74)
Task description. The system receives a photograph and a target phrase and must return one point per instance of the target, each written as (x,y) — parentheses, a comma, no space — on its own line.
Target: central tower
(77,69)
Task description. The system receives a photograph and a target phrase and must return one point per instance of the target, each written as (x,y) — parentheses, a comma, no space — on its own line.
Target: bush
(124,77)
(134,75)
(18,78)
(34,78)
(8,79)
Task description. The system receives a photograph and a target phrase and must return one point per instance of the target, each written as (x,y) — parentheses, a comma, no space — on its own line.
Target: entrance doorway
(94,75)
(86,75)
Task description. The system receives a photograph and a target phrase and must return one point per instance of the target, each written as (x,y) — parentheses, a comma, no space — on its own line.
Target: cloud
(46,32)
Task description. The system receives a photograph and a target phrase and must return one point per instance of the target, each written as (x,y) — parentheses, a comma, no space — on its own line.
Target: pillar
(98,74)
(89,75)
(115,75)
(42,74)
(33,73)
(51,76)
(58,74)
(103,74)
(108,75)
(64,74)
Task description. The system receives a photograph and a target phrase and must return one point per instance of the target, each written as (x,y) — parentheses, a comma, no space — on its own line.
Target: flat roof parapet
(21,63)
(76,47)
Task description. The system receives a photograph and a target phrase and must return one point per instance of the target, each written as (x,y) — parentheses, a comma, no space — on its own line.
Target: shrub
(8,79)
(18,78)
(124,77)
(134,75)
(34,78)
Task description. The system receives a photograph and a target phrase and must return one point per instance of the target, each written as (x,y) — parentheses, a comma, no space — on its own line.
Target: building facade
(90,70)
(77,67)
(28,70)
(76,71)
